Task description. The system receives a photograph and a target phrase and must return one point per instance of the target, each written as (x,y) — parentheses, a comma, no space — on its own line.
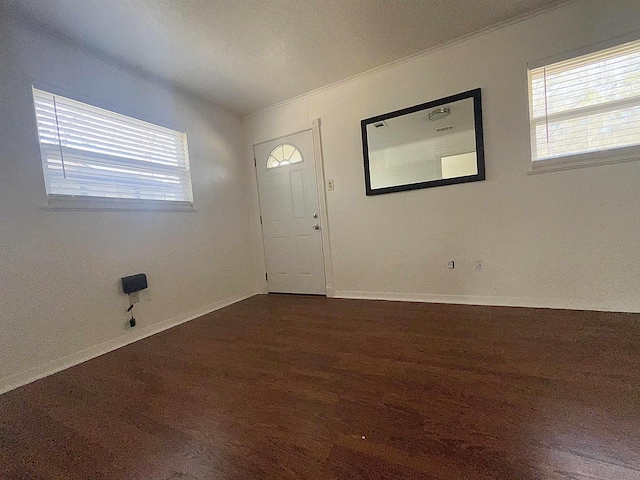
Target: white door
(291,226)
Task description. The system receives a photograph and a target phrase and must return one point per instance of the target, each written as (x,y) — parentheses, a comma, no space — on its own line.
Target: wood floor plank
(294,387)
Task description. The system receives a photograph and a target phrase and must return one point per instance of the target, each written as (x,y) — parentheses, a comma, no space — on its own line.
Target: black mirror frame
(477,110)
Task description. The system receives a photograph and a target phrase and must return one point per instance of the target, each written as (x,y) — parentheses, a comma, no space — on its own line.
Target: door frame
(322,203)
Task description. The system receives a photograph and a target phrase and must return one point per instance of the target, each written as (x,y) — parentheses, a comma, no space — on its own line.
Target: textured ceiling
(248,54)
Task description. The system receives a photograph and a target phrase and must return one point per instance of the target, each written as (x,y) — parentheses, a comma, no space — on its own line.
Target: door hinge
(260,219)
(266,276)
(255,162)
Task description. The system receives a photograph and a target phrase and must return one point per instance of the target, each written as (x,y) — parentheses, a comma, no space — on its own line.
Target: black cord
(132,322)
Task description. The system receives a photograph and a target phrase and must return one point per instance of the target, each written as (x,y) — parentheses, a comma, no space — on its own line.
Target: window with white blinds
(586,106)
(91,152)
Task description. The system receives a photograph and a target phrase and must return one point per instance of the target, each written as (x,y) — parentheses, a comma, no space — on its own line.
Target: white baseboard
(23,378)
(559,304)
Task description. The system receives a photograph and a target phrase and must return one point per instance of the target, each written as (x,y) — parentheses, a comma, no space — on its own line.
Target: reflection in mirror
(437,143)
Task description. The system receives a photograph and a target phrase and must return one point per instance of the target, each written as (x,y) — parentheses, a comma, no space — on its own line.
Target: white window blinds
(586,104)
(92,152)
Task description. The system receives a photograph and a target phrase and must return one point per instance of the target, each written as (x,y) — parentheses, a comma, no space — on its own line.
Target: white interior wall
(567,239)
(60,299)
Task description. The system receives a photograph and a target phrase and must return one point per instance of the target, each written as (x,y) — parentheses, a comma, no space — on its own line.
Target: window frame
(579,160)
(54,202)
(288,160)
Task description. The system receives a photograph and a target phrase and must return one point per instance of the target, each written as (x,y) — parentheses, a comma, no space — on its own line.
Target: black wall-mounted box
(134,283)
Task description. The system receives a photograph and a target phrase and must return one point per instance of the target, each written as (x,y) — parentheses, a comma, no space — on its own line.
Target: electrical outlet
(134,298)
(330,185)
(451,264)
(145,295)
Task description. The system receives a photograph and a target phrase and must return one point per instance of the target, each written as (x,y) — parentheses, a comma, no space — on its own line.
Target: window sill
(62,203)
(570,162)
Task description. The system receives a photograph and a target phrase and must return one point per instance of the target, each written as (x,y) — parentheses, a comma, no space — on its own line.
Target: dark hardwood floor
(287,387)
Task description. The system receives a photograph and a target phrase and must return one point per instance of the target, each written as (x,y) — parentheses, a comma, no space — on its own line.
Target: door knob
(315,215)
(316,227)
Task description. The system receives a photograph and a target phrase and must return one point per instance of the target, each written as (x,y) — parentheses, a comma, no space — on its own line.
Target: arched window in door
(284,154)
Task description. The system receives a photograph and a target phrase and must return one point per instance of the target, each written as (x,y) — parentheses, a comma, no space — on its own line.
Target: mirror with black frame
(427,145)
